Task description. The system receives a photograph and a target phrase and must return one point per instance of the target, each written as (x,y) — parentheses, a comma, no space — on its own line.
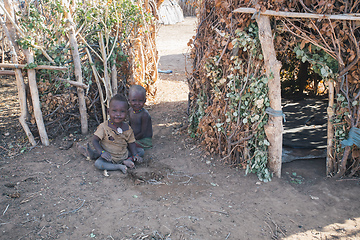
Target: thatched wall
(228,86)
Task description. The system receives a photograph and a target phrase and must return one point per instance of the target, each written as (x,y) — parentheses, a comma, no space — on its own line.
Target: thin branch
(75,210)
(322,37)
(304,6)
(307,38)
(117,31)
(336,44)
(85,42)
(355,61)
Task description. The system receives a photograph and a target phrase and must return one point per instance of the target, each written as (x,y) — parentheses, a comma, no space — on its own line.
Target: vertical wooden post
(78,71)
(274,128)
(35,99)
(330,129)
(107,83)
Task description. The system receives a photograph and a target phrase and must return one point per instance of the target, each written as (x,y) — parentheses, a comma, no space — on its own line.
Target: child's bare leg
(87,152)
(93,154)
(82,150)
(102,164)
(140,151)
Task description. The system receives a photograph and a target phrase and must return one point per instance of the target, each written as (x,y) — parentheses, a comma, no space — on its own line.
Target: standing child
(113,138)
(140,119)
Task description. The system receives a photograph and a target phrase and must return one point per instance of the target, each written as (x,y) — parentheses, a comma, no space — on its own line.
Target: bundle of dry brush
(228,85)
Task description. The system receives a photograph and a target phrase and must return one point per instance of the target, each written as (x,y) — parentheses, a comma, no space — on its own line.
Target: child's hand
(105,155)
(138,159)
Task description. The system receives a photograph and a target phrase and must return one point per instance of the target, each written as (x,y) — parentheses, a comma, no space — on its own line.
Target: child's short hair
(120,98)
(137,89)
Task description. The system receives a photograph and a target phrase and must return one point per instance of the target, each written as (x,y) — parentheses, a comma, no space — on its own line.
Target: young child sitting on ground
(140,120)
(113,138)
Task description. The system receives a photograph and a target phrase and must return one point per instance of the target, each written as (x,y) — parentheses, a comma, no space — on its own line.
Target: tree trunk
(10,34)
(78,71)
(35,99)
(274,128)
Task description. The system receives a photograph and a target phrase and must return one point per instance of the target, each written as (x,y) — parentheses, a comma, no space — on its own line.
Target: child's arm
(96,143)
(133,151)
(145,123)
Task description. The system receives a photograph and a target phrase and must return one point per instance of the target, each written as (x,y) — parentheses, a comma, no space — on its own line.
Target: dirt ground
(50,193)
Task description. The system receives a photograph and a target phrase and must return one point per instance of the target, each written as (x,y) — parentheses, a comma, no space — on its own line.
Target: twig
(6,209)
(48,161)
(348,179)
(225,213)
(30,197)
(272,233)
(73,211)
(277,227)
(305,7)
(223,51)
(355,61)
(5,148)
(189,217)
(155,182)
(185,182)
(26,234)
(41,229)
(307,38)
(67,162)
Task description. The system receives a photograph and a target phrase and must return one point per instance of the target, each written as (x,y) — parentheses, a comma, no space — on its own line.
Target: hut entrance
(304,103)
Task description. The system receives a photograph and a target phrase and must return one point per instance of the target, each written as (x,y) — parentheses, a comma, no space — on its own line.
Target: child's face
(117,111)
(137,100)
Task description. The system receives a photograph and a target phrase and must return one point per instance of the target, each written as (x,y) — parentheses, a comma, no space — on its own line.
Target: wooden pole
(330,129)
(350,17)
(21,66)
(9,32)
(35,99)
(7,72)
(78,71)
(274,128)
(97,80)
(107,83)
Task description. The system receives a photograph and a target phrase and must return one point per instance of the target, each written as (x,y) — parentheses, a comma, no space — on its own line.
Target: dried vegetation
(228,86)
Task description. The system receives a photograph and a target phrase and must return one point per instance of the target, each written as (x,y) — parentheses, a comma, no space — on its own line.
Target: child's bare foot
(138,159)
(82,150)
(128,163)
(122,168)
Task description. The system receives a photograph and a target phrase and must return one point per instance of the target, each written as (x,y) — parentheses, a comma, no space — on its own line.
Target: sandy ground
(49,193)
